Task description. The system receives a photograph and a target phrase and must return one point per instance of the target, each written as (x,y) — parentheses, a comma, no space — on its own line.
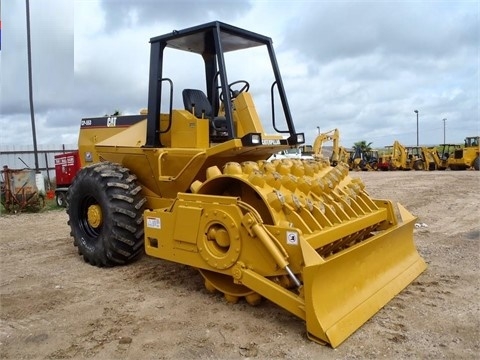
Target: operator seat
(198,104)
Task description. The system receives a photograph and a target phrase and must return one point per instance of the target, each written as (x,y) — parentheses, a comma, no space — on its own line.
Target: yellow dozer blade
(343,292)
(303,235)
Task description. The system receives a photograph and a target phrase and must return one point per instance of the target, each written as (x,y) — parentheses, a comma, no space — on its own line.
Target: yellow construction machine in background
(400,157)
(193,186)
(425,154)
(450,156)
(466,157)
(339,153)
(363,160)
(431,158)
(453,156)
(403,160)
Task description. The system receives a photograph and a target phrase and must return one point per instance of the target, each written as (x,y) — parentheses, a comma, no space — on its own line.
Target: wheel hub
(94,215)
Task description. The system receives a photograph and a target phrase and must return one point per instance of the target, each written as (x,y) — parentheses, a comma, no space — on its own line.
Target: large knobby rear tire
(105,207)
(419,165)
(476,163)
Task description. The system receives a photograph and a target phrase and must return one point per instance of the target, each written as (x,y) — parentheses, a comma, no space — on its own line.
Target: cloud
(354,29)
(181,13)
(380,61)
(362,67)
(52,66)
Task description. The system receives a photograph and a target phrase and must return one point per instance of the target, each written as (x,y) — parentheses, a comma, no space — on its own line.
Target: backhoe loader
(439,162)
(192,185)
(363,160)
(430,157)
(339,153)
(403,159)
(442,157)
(423,153)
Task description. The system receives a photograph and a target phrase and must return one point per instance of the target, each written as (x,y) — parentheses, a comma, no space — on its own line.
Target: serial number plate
(154,223)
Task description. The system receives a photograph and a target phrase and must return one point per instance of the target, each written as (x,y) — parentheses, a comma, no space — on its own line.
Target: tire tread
(122,208)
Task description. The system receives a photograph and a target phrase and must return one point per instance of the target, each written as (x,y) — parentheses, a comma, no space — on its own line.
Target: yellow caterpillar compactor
(192,186)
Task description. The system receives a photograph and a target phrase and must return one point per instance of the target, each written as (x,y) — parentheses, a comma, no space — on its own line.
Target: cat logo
(112,121)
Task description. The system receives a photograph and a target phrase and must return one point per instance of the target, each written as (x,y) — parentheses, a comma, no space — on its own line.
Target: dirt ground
(55,306)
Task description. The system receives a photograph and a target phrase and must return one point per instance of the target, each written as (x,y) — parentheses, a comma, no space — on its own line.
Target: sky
(360,66)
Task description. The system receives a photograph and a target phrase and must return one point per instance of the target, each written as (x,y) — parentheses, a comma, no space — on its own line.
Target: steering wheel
(235,93)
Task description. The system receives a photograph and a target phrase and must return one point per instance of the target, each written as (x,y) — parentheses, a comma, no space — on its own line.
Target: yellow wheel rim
(94,216)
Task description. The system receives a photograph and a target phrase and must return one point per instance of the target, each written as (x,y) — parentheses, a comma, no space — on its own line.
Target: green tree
(362,150)
(362,146)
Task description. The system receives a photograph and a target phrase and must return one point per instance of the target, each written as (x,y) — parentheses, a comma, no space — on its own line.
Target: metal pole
(416,111)
(444,141)
(48,171)
(30,86)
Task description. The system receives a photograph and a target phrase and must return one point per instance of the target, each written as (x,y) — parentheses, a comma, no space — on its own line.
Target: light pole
(318,130)
(444,119)
(416,112)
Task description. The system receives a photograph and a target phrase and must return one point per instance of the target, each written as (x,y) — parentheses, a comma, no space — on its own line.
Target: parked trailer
(66,167)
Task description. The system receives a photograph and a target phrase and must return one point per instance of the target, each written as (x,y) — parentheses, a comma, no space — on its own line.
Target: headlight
(300,138)
(252,139)
(296,139)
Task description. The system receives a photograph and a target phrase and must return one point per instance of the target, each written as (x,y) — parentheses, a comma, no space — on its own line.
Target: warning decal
(292,238)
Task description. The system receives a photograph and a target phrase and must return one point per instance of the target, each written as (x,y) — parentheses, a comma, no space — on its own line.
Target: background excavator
(191,185)
(339,153)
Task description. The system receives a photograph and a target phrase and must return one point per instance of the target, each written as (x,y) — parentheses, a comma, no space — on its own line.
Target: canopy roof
(200,39)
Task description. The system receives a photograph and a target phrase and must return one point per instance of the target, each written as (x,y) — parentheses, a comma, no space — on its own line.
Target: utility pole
(30,87)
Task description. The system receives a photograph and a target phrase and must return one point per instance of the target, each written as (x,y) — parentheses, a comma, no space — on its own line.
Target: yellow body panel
(189,131)
(244,108)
